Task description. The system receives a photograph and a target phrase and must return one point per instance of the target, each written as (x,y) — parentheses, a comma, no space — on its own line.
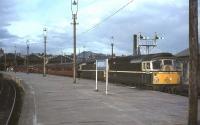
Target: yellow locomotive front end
(163,78)
(163,70)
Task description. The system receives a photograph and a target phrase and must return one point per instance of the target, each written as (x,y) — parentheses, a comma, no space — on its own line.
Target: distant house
(183,57)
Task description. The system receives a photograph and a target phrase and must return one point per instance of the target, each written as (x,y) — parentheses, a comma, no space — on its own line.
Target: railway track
(7,100)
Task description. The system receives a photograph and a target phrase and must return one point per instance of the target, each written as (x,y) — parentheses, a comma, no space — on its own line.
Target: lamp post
(61,58)
(64,57)
(45,41)
(74,9)
(112,44)
(27,56)
(15,60)
(5,60)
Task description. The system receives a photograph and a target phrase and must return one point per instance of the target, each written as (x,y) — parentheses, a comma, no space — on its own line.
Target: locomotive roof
(140,58)
(157,56)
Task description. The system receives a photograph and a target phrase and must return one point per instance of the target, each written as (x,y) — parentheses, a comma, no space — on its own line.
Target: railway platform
(55,100)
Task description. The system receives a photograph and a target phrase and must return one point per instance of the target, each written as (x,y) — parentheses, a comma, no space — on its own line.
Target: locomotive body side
(150,70)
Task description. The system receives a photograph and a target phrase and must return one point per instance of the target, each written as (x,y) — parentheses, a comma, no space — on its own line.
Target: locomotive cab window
(157,64)
(167,62)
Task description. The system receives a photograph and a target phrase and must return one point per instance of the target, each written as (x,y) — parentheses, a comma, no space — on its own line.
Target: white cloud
(167,17)
(25,28)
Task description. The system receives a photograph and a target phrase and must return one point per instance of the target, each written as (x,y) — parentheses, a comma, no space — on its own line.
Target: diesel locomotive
(157,71)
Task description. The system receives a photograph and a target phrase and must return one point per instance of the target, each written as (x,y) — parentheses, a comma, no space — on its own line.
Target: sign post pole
(106,76)
(102,65)
(96,76)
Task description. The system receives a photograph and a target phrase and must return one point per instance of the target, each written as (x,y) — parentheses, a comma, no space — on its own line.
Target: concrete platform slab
(55,100)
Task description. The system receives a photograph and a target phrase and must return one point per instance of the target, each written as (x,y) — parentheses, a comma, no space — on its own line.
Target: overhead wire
(107,18)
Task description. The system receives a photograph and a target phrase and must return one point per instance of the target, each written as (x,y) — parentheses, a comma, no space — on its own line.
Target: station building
(183,57)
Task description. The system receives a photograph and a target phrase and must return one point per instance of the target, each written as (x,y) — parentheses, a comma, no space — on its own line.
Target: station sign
(101,64)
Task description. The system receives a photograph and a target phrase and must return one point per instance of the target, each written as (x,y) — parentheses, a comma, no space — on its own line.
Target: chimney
(135,49)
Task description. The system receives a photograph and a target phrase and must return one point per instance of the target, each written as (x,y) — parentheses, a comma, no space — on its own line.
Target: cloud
(168,18)
(5,35)
(25,19)
(7,13)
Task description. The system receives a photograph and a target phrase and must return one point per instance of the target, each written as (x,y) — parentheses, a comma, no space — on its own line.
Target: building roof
(151,57)
(185,52)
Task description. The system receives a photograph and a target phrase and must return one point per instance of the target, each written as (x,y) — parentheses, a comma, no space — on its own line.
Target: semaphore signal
(146,42)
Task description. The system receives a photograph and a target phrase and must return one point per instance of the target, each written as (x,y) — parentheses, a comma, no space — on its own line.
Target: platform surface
(55,100)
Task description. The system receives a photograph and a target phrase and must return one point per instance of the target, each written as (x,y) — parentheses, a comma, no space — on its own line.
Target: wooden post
(193,58)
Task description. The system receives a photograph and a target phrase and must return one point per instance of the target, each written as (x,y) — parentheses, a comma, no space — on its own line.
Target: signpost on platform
(102,65)
(107,68)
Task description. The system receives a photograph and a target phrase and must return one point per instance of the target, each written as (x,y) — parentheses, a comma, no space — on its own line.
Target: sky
(23,20)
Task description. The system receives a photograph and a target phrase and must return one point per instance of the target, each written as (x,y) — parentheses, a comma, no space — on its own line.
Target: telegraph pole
(74,9)
(45,41)
(27,57)
(193,59)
